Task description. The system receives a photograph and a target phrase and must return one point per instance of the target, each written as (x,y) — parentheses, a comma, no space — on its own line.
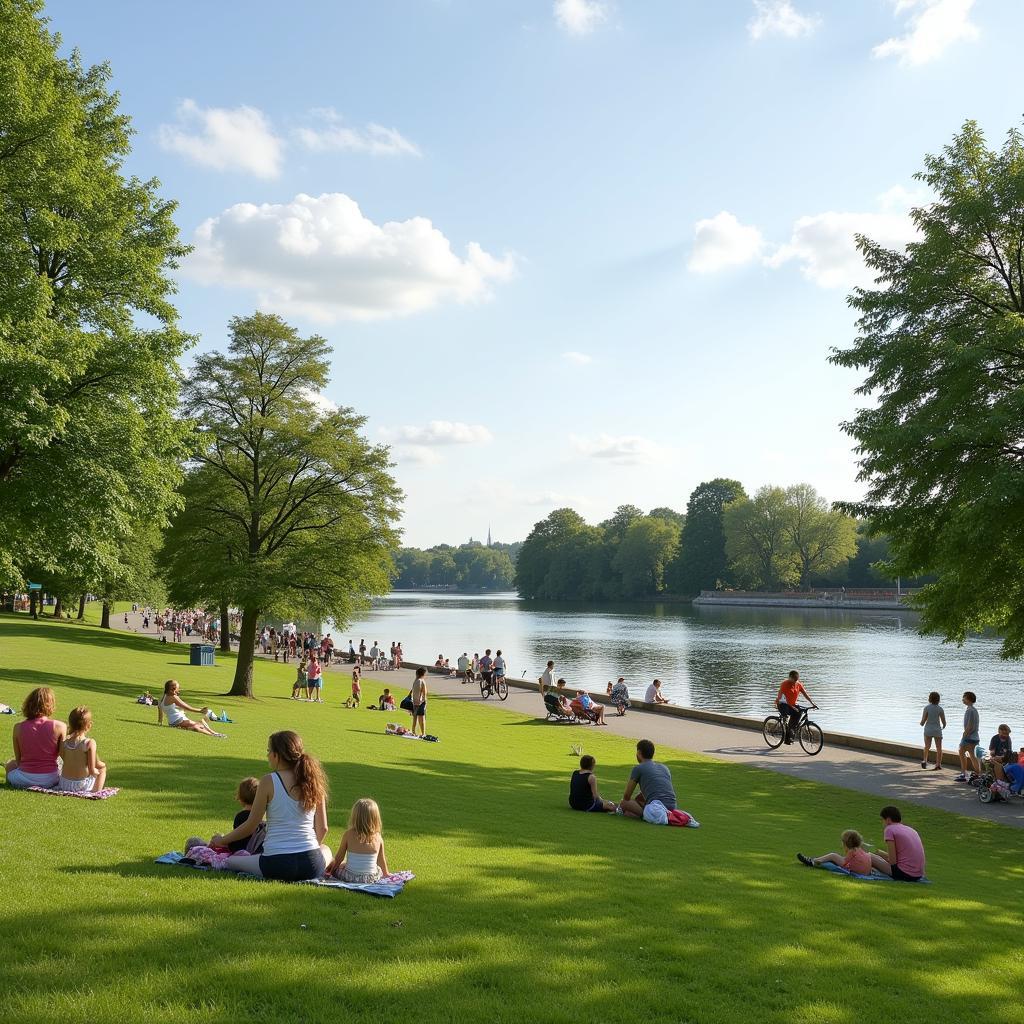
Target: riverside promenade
(893,779)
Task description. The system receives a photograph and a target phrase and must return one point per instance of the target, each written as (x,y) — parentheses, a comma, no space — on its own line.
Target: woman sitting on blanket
(294,799)
(360,857)
(174,708)
(37,742)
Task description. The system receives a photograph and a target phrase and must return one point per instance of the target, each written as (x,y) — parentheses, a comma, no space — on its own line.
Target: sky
(565,252)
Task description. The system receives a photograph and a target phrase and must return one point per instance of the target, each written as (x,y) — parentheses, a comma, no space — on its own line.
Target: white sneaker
(618,809)
(693,823)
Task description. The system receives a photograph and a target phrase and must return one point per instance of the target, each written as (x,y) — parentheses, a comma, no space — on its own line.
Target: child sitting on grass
(82,771)
(857,860)
(583,794)
(245,794)
(387,700)
(360,857)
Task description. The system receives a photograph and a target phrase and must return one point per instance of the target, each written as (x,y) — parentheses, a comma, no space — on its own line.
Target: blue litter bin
(200,654)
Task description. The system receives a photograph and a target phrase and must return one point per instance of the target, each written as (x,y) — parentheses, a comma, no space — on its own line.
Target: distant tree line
(471,566)
(780,538)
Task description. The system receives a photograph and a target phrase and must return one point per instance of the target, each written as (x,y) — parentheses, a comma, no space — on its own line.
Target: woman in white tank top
(173,707)
(293,797)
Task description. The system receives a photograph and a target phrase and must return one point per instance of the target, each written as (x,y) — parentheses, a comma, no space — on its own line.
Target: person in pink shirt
(37,742)
(854,859)
(315,678)
(904,856)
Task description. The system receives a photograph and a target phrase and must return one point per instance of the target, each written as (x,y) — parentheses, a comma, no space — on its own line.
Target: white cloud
(321,402)
(780,18)
(320,257)
(417,454)
(722,241)
(620,451)
(330,133)
(580,17)
(439,432)
(577,358)
(237,139)
(824,246)
(932,27)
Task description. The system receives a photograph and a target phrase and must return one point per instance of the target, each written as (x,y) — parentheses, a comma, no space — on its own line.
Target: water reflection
(870,671)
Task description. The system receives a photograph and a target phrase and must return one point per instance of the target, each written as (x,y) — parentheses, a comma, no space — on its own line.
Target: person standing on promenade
(547,678)
(970,739)
(786,701)
(464,666)
(933,718)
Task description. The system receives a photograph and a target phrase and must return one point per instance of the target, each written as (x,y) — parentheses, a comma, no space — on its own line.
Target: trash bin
(200,654)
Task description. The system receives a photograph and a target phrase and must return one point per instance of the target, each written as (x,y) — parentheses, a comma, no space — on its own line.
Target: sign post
(35,586)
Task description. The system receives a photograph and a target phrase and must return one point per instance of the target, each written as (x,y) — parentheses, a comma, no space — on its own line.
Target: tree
(670,515)
(941,338)
(287,507)
(822,537)
(702,563)
(561,559)
(757,540)
(88,444)
(647,546)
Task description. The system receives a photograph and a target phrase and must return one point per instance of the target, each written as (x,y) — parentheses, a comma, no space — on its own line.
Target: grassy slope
(521,909)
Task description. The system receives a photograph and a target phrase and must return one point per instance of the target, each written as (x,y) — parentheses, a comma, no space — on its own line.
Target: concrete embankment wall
(800,602)
(893,748)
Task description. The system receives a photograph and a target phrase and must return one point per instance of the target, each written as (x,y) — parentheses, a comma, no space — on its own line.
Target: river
(870,672)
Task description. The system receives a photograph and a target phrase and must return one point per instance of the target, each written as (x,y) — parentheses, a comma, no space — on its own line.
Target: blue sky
(566,252)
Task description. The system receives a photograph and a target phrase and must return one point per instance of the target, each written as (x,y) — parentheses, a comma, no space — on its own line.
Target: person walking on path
(970,739)
(419,702)
(547,677)
(933,718)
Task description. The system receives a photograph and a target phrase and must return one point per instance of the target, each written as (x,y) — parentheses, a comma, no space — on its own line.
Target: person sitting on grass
(387,700)
(37,743)
(657,795)
(903,859)
(293,797)
(585,707)
(360,857)
(583,794)
(654,694)
(1001,752)
(81,771)
(174,708)
(245,795)
(856,860)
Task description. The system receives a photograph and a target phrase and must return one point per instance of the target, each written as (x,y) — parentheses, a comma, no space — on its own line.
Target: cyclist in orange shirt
(786,700)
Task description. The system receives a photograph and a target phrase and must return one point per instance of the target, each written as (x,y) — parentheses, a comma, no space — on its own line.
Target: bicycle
(492,683)
(808,733)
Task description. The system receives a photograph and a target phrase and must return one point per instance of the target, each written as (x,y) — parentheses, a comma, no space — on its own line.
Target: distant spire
(488,534)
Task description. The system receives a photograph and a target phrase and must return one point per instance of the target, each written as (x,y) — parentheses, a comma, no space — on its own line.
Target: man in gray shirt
(971,739)
(654,780)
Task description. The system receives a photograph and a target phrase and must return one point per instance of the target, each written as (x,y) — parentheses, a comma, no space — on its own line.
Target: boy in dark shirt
(583,794)
(245,796)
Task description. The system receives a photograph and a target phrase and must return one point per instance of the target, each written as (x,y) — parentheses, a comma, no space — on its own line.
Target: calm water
(869,671)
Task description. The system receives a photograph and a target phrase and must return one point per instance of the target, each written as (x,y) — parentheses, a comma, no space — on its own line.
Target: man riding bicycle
(786,701)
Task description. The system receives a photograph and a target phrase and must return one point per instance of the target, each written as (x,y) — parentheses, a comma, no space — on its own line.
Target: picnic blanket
(875,876)
(391,729)
(389,886)
(102,794)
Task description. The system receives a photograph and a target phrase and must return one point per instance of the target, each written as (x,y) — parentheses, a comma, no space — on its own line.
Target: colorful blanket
(389,886)
(102,794)
(875,876)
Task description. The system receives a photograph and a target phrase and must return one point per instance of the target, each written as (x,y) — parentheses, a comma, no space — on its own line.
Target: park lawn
(521,909)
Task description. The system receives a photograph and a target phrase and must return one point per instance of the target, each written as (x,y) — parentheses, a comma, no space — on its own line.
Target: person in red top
(36,743)
(786,700)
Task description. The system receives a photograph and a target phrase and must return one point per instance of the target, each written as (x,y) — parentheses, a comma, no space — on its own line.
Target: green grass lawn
(521,910)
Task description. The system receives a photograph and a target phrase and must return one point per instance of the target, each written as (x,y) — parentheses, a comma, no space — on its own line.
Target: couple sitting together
(293,799)
(655,802)
(582,706)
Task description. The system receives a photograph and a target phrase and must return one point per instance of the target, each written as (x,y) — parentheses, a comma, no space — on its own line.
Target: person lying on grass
(657,796)
(81,771)
(583,794)
(856,859)
(360,857)
(174,708)
(36,743)
(293,797)
(904,856)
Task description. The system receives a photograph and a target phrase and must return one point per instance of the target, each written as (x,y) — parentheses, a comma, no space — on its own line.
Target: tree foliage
(941,338)
(702,563)
(89,447)
(822,538)
(757,540)
(287,507)
(469,566)
(647,547)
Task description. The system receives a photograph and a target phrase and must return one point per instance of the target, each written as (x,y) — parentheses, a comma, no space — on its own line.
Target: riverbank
(825,600)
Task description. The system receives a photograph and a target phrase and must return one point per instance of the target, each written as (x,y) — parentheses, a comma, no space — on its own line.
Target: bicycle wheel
(485,689)
(812,739)
(502,688)
(774,731)
(985,794)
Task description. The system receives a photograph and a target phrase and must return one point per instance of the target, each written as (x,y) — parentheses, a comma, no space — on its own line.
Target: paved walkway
(892,779)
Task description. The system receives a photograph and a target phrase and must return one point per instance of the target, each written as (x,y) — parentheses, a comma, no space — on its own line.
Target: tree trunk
(242,684)
(58,607)
(33,603)
(105,617)
(225,628)
(81,608)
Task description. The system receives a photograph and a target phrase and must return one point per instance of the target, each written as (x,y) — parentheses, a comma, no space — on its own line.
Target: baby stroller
(555,711)
(991,790)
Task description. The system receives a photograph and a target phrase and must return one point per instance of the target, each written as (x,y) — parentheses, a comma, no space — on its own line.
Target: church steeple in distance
(488,534)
